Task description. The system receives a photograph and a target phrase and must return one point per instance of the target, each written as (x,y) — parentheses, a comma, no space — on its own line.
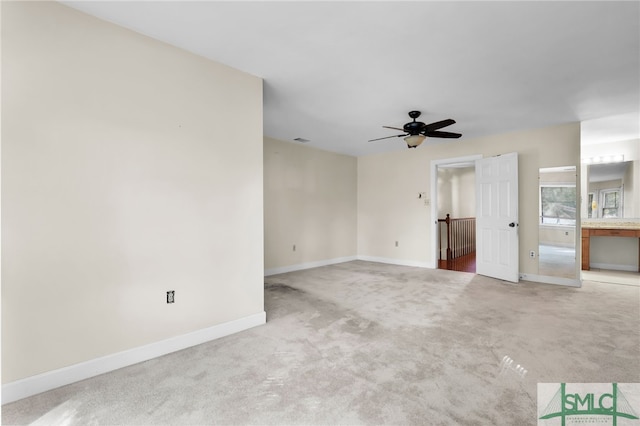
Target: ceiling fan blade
(439,124)
(437,134)
(388,137)
(394,128)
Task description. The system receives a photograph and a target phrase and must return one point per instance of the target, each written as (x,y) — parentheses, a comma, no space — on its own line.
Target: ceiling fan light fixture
(415,132)
(414,140)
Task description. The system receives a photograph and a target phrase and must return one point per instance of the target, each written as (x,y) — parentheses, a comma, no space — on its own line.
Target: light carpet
(369,343)
(612,277)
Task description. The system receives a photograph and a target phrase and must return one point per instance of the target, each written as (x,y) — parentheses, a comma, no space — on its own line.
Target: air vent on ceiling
(302,140)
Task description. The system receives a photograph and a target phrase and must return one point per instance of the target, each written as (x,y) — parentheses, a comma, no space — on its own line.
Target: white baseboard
(400,262)
(545,279)
(613,267)
(53,379)
(307,265)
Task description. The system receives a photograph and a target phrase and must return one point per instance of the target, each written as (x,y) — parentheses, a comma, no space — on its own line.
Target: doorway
(454,206)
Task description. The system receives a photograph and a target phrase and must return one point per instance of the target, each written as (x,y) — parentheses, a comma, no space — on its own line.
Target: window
(605,203)
(610,203)
(558,204)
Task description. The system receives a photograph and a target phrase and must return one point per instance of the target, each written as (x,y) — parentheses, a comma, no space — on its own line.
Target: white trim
(546,279)
(614,267)
(434,199)
(307,265)
(400,262)
(53,379)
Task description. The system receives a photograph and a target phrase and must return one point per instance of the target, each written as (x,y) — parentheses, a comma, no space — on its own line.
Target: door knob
(512,224)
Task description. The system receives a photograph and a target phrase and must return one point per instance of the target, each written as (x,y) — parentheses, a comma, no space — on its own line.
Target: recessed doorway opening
(454,209)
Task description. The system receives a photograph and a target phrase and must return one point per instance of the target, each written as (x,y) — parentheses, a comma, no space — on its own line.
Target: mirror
(612,190)
(557,225)
(613,139)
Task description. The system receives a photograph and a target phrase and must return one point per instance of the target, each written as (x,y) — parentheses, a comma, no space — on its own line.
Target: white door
(497,217)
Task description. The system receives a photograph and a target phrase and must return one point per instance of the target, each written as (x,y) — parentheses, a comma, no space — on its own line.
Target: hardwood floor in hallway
(466,263)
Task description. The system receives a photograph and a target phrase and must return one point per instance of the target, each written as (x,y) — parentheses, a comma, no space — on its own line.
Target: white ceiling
(335,72)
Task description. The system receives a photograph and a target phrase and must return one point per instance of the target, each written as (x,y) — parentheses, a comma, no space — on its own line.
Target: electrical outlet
(532,254)
(396,244)
(171,296)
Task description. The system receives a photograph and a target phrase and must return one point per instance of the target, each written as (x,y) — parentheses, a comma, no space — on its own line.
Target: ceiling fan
(416,131)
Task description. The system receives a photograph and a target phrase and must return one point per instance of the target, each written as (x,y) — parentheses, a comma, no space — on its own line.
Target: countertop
(612,224)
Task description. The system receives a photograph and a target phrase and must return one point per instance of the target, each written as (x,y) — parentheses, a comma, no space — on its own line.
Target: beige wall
(631,192)
(607,184)
(310,202)
(563,236)
(614,253)
(456,192)
(559,177)
(388,184)
(124,175)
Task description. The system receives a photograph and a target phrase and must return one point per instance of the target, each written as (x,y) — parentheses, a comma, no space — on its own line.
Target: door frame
(434,198)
